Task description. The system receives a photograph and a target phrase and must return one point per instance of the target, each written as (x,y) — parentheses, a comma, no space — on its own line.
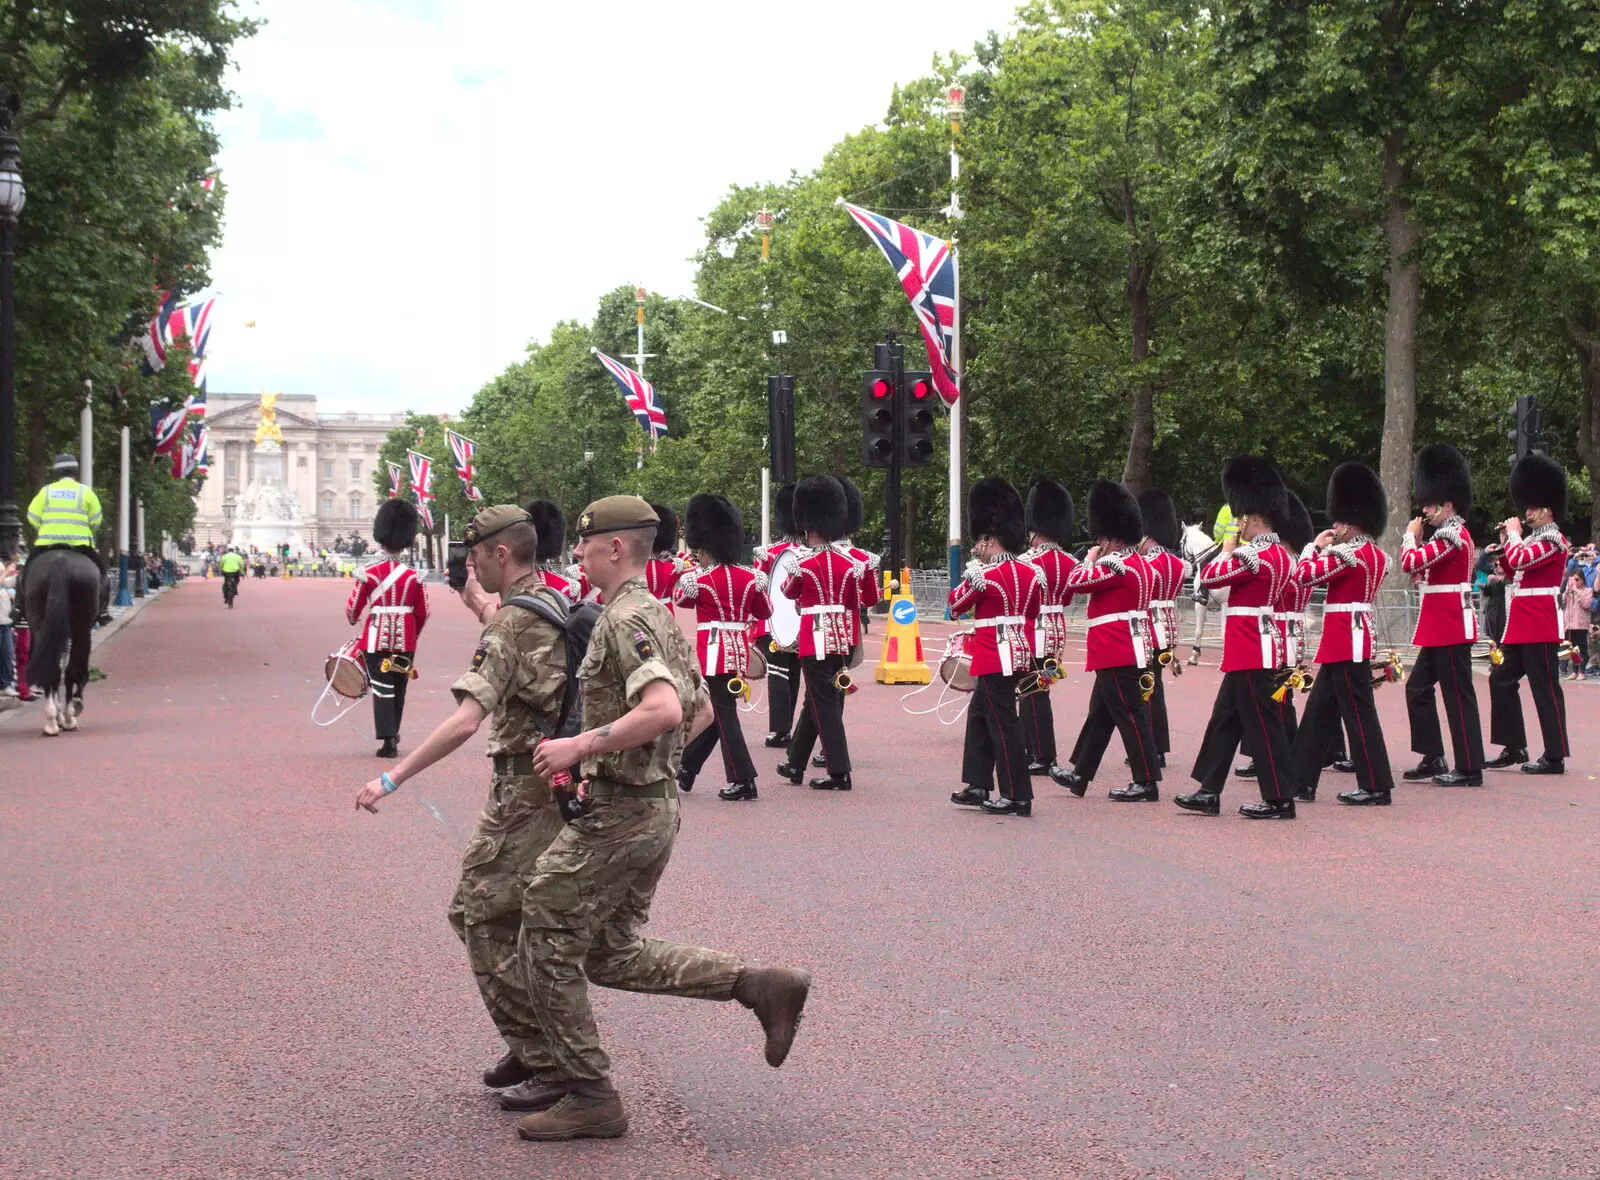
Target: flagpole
(957,107)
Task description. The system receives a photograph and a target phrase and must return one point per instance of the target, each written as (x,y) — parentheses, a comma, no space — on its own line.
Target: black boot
(389,749)
(508,1071)
(738,792)
(819,761)
(1038,768)
(1545,766)
(1137,793)
(1458,778)
(1426,769)
(685,781)
(1017,807)
(1070,780)
(776,741)
(793,773)
(1203,802)
(1360,798)
(1265,810)
(1248,770)
(1507,758)
(1342,765)
(970,797)
(1306,796)
(833,782)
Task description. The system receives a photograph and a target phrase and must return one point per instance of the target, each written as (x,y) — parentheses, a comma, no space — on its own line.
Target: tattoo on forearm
(600,735)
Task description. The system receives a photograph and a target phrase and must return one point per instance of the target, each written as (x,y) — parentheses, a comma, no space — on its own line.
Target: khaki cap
(492,520)
(616,514)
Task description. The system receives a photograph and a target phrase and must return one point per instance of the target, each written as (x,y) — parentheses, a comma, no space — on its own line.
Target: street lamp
(12,197)
(588,473)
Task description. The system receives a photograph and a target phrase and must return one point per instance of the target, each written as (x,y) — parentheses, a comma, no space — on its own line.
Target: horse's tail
(50,641)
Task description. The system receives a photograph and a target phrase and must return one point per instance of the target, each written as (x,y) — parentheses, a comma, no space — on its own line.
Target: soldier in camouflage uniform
(591,889)
(517,679)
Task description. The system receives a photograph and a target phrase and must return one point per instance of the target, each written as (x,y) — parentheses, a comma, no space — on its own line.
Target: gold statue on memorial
(267,429)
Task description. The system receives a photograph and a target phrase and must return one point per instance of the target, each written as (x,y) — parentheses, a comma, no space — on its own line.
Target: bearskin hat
(1049,512)
(820,507)
(711,525)
(852,505)
(994,509)
(395,526)
(1114,513)
(551,524)
(1253,487)
(1161,519)
(667,530)
(1538,481)
(1442,475)
(1297,531)
(1356,497)
(783,511)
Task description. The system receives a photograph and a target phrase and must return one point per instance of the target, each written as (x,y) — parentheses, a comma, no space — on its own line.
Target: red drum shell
(346,670)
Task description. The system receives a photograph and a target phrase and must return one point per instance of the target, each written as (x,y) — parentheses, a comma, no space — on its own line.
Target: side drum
(346,672)
(955,667)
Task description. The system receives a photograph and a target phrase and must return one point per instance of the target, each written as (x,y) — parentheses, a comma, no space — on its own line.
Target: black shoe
(1248,770)
(1306,796)
(685,781)
(776,741)
(1070,780)
(1426,769)
(508,1071)
(1545,766)
(1343,766)
(389,749)
(532,1094)
(1137,793)
(1020,807)
(970,797)
(104,617)
(793,773)
(1360,798)
(819,761)
(833,782)
(1202,801)
(1038,768)
(1265,810)
(1508,758)
(1161,761)
(737,792)
(1458,778)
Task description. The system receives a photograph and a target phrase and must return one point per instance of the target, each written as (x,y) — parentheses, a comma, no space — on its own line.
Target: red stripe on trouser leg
(1266,745)
(1144,755)
(1361,732)
(1460,715)
(999,736)
(1555,703)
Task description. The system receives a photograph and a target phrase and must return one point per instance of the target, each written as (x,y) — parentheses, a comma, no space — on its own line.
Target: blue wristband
(389,785)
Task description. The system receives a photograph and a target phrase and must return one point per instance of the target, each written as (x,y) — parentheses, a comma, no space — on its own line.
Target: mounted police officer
(65,515)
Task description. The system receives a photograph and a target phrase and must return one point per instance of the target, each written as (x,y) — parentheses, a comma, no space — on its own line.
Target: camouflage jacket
(518,673)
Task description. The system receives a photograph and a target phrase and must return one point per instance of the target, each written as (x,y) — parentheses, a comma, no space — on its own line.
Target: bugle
(738,687)
(1147,685)
(1390,671)
(398,662)
(1294,680)
(1039,679)
(844,682)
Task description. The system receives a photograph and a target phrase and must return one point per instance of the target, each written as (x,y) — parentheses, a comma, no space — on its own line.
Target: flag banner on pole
(639,394)
(174,322)
(421,483)
(167,425)
(201,464)
(396,474)
(926,267)
(463,448)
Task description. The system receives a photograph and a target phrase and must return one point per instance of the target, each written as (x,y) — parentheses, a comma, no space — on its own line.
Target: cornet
(843,682)
(1565,652)
(398,662)
(738,688)
(1147,685)
(1169,659)
(1039,679)
(1390,672)
(1297,678)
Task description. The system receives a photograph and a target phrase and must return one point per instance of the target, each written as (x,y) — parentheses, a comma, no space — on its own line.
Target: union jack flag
(168,426)
(201,464)
(639,394)
(463,448)
(926,267)
(396,474)
(421,481)
(175,321)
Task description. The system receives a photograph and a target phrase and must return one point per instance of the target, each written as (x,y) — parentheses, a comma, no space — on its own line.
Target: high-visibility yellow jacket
(231,563)
(1225,525)
(65,513)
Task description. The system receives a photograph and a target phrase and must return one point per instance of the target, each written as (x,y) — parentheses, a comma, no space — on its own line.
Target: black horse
(61,600)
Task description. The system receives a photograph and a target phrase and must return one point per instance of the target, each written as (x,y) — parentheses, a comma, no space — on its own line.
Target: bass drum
(785,621)
(955,669)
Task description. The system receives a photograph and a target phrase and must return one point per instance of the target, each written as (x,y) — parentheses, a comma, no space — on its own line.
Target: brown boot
(592,1110)
(776,995)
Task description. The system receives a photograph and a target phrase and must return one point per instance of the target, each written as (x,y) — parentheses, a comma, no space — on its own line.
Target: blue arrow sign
(904,611)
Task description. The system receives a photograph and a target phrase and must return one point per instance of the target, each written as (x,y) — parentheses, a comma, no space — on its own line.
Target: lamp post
(588,473)
(12,196)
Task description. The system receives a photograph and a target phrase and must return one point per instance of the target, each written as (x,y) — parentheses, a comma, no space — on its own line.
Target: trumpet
(1494,655)
(1565,652)
(1169,659)
(738,687)
(1390,672)
(1039,679)
(843,682)
(1297,678)
(398,662)
(1147,685)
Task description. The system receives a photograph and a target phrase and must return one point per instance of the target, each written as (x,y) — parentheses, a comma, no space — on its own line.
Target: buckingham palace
(326,465)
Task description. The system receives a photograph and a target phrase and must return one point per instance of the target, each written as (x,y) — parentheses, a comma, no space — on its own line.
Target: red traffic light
(881,388)
(920,389)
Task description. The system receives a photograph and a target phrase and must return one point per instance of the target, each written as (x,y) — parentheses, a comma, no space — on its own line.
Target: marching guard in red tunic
(1003,593)
(1289,613)
(1048,520)
(662,571)
(551,524)
(1346,559)
(1256,568)
(1535,564)
(783,664)
(1162,549)
(827,587)
(1447,625)
(397,610)
(1119,584)
(726,598)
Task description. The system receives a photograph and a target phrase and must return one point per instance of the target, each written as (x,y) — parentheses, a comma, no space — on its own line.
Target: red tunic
(725,600)
(1256,574)
(1168,572)
(567,587)
(1289,612)
(396,617)
(1055,566)
(1004,597)
(827,588)
(1119,588)
(1352,572)
(1533,596)
(871,590)
(661,575)
(766,559)
(1443,569)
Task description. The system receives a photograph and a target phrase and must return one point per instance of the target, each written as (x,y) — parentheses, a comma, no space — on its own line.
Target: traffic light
(1529,432)
(877,418)
(916,409)
(780,427)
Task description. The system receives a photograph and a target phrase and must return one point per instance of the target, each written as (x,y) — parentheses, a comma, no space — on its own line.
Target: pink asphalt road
(213,966)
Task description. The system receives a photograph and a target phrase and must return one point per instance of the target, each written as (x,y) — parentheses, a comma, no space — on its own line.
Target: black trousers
(1116,703)
(994,749)
(1339,703)
(821,715)
(1159,729)
(783,686)
(724,728)
(1539,663)
(1038,722)
(1245,711)
(1450,668)
(388,693)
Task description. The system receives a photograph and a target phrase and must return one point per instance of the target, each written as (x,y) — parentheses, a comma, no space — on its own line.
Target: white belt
(1169,603)
(1158,620)
(1057,609)
(830,609)
(1291,638)
(1525,591)
(1456,588)
(714,642)
(391,610)
(1129,617)
(1469,621)
(722,625)
(1347,608)
(1002,645)
(819,627)
(1260,612)
(1358,630)
(1000,621)
(1554,594)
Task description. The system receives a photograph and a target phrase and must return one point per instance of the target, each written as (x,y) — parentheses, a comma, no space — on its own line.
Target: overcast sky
(417,189)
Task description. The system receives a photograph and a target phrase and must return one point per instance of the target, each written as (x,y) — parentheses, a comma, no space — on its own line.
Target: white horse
(1197,545)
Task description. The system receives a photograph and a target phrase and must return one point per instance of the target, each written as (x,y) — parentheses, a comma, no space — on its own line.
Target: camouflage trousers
(582,911)
(518,823)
